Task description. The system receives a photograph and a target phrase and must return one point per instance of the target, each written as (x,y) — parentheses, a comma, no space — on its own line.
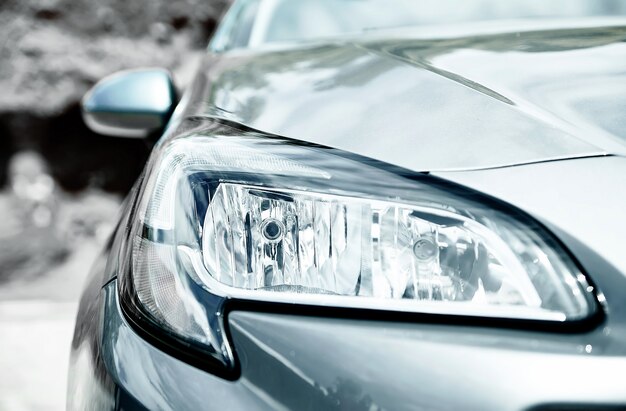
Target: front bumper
(313,363)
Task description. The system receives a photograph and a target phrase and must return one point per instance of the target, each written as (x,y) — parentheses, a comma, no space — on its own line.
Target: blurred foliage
(52,51)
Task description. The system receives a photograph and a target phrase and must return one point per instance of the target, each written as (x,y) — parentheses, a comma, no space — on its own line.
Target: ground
(42,271)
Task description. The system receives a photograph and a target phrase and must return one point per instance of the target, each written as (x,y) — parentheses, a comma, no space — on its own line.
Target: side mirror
(132,103)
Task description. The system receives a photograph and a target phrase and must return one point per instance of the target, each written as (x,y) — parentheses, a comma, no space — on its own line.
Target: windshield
(253,23)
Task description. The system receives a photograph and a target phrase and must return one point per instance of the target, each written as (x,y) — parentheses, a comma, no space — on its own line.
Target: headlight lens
(257,218)
(311,243)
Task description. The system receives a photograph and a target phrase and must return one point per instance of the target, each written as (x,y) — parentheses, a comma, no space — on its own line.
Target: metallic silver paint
(314,363)
(449,103)
(131,103)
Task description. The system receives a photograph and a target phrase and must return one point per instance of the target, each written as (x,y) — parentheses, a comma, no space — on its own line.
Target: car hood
(436,102)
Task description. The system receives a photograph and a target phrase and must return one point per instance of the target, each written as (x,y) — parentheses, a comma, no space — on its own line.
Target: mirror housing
(130,103)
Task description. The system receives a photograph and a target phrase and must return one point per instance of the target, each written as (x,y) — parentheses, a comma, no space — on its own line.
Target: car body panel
(433,104)
(365,365)
(310,363)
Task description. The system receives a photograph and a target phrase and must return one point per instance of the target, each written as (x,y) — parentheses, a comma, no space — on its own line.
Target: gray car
(370,205)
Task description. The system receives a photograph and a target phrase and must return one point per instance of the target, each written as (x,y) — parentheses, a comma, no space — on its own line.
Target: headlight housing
(232,215)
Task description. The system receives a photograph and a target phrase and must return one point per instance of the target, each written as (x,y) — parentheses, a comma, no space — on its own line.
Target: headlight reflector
(300,242)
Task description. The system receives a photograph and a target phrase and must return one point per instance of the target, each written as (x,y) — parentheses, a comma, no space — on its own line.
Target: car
(369,205)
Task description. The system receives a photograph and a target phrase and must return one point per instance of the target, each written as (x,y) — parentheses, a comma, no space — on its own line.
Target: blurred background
(60,184)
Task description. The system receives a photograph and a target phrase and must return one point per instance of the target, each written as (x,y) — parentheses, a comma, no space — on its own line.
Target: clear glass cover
(311,243)
(256,218)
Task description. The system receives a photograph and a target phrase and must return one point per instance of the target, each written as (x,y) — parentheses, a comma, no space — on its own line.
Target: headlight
(256,218)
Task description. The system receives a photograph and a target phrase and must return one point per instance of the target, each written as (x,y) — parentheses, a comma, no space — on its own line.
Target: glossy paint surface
(130,103)
(311,363)
(466,99)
